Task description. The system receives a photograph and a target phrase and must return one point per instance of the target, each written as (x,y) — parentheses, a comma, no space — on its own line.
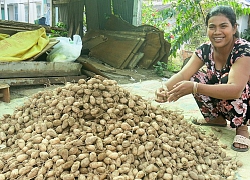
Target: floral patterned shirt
(235,110)
(205,53)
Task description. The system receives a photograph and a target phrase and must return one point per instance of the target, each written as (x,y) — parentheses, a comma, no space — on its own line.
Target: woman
(223,91)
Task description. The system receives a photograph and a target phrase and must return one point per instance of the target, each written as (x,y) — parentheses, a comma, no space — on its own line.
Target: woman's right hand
(161,95)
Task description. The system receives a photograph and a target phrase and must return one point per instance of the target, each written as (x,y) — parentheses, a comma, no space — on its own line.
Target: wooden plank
(163,52)
(137,57)
(4,93)
(95,37)
(98,64)
(150,53)
(127,34)
(12,27)
(2,86)
(150,50)
(88,73)
(42,80)
(115,51)
(89,67)
(38,69)
(131,59)
(93,41)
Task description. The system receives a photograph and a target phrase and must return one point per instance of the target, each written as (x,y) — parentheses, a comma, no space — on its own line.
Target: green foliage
(174,65)
(59,33)
(160,68)
(246,34)
(189,28)
(190,19)
(158,19)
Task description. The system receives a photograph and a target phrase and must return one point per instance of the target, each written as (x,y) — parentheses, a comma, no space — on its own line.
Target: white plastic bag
(66,50)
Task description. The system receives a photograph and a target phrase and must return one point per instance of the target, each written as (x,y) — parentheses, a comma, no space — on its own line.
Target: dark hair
(226,11)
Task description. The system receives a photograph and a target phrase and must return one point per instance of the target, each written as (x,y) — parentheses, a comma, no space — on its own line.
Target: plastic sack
(66,50)
(4,36)
(23,45)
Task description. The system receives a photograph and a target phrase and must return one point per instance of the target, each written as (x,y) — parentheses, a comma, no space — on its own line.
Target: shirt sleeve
(203,52)
(241,49)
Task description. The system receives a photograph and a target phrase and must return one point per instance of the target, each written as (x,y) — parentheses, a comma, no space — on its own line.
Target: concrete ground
(188,106)
(146,89)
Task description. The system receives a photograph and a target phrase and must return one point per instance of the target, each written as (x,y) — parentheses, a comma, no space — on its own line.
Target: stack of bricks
(4,93)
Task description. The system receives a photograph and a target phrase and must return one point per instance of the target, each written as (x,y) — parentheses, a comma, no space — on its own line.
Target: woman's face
(220,31)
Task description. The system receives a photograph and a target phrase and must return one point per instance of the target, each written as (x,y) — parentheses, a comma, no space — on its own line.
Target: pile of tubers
(94,130)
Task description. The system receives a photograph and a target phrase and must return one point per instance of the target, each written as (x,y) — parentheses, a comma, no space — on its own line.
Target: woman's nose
(216,30)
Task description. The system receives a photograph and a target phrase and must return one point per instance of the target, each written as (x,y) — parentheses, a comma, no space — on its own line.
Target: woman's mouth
(218,39)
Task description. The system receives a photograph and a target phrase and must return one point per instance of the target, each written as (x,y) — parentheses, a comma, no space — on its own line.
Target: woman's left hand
(180,89)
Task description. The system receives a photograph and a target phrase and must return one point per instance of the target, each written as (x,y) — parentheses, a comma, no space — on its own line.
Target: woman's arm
(192,66)
(238,77)
(237,80)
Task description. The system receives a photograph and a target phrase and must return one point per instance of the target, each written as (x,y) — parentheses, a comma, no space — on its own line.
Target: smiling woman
(222,92)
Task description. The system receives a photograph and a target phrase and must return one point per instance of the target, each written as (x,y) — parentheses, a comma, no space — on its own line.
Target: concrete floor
(188,106)
(146,89)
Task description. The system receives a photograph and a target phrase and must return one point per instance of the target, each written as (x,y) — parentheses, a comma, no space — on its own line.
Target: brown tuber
(94,129)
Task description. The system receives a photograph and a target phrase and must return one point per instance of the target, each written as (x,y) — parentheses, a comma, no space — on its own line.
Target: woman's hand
(161,95)
(180,89)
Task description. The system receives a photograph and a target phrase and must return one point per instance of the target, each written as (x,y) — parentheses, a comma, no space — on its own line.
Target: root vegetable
(14,173)
(2,177)
(21,143)
(193,175)
(90,140)
(48,164)
(68,177)
(54,141)
(3,136)
(24,170)
(33,173)
(52,133)
(113,155)
(151,168)
(37,139)
(44,155)
(67,165)
(167,176)
(75,166)
(149,145)
(95,164)
(21,157)
(97,130)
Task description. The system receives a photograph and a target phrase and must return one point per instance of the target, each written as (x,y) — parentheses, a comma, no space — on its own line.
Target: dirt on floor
(130,79)
(122,76)
(126,76)
(20,94)
(185,105)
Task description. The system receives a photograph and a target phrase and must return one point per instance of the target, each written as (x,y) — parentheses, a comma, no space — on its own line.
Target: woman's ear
(236,27)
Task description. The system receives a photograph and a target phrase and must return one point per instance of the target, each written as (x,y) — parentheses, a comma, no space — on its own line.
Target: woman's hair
(226,11)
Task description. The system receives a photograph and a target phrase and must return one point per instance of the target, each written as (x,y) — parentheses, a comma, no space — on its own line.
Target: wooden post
(4,93)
